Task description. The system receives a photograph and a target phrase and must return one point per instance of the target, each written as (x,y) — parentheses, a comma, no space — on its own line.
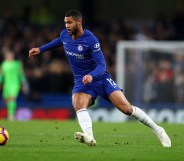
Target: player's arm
(98,58)
(21,73)
(51,45)
(1,77)
(23,79)
(100,63)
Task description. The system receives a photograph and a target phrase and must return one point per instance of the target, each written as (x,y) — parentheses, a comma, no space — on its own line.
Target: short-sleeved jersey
(84,55)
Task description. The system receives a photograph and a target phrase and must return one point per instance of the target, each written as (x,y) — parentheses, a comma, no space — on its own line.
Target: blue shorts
(103,87)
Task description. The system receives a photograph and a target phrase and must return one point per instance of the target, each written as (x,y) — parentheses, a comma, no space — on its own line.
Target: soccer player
(91,78)
(11,79)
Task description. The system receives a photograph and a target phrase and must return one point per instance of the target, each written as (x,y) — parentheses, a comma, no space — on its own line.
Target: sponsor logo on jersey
(78,56)
(97,45)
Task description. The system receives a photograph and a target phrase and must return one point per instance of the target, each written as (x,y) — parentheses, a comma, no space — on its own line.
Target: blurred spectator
(178,25)
(179,88)
(163,29)
(179,78)
(149,91)
(164,82)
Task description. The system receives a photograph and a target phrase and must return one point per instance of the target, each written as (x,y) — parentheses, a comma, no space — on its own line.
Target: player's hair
(73,13)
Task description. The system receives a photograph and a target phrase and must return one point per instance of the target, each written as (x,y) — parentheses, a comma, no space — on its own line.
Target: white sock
(141,116)
(85,121)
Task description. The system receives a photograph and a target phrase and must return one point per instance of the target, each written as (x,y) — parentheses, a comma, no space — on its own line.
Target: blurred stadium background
(156,85)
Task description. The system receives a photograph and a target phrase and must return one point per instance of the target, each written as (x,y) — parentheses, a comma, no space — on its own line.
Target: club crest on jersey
(80,48)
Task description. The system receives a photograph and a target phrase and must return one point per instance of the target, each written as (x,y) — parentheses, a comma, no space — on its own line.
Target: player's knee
(126,109)
(78,105)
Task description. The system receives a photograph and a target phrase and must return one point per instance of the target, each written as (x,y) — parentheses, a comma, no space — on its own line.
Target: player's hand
(25,88)
(33,52)
(87,79)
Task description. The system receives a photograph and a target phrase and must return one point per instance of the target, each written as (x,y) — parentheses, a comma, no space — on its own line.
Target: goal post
(141,53)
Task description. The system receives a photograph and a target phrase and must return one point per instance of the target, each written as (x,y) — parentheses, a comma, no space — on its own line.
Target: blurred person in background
(92,79)
(165,82)
(179,78)
(11,79)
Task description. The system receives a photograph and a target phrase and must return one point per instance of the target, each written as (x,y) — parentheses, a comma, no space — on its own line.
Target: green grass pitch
(54,141)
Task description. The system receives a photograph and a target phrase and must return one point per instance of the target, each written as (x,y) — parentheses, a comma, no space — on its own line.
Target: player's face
(71,25)
(9,55)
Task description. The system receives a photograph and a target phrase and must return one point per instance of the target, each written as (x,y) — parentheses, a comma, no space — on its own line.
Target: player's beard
(74,31)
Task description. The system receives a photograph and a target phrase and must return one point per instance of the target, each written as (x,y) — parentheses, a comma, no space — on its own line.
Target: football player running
(91,78)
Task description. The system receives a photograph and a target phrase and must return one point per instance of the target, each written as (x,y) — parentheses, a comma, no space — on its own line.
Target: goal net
(151,72)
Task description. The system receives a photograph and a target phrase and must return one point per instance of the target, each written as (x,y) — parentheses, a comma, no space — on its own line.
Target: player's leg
(80,103)
(9,97)
(11,106)
(119,101)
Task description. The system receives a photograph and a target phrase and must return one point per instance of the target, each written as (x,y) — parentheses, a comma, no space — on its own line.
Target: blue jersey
(85,57)
(84,54)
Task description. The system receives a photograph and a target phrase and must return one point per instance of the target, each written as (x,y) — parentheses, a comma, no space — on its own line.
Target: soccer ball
(4,136)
